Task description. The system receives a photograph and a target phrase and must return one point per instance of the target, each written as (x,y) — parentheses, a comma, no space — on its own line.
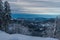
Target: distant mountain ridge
(16,16)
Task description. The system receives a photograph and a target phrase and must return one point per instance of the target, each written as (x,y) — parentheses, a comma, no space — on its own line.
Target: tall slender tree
(7,10)
(1,13)
(7,13)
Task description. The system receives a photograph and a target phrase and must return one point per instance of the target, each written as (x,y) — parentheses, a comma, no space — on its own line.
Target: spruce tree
(7,14)
(1,13)
(7,10)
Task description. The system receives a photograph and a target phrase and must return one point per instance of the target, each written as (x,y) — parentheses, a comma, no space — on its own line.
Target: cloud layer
(35,6)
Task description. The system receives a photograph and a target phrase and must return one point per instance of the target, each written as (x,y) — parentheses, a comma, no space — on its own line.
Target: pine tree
(7,10)
(1,13)
(7,14)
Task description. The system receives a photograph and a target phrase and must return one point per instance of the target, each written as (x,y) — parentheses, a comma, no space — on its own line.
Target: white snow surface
(5,36)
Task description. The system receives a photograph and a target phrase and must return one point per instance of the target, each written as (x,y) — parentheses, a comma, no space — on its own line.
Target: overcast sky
(35,6)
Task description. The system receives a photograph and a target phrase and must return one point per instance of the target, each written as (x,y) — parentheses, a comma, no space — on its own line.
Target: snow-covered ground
(5,36)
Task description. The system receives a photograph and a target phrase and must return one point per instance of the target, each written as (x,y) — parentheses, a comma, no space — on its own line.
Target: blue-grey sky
(51,7)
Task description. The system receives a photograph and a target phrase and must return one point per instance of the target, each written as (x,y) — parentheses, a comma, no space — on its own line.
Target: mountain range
(17,15)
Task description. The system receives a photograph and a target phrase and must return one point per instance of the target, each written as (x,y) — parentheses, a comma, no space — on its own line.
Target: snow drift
(5,36)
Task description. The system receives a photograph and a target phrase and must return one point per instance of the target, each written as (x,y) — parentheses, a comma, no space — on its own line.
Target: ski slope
(5,36)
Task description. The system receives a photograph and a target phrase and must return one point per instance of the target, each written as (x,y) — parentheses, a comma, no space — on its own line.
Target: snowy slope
(5,36)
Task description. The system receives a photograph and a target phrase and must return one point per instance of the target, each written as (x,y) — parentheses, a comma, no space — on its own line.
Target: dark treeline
(5,13)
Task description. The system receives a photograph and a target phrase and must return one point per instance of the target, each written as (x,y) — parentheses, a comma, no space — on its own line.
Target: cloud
(35,6)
